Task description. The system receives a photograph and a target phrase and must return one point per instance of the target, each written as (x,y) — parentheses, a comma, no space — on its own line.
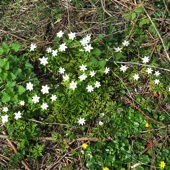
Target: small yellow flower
(105,168)
(162,164)
(147,125)
(84,146)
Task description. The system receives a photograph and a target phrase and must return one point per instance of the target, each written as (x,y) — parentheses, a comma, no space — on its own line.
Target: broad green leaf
(20,89)
(93,61)
(2,62)
(1,51)
(5,97)
(5,48)
(6,66)
(144,22)
(102,64)
(15,47)
(144,158)
(139,10)
(133,15)
(15,98)
(96,52)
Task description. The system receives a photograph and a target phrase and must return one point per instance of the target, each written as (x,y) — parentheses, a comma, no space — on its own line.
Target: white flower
(107,70)
(54,52)
(156,81)
(22,103)
(169,88)
(125,43)
(118,49)
(45,89)
(62,47)
(102,114)
(44,106)
(92,73)
(100,123)
(73,85)
(53,97)
(81,121)
(88,48)
(72,35)
(83,68)
(5,109)
(32,47)
(29,86)
(49,50)
(60,34)
(61,70)
(17,115)
(65,77)
(88,37)
(97,84)
(149,70)
(123,68)
(43,61)
(90,88)
(145,59)
(82,77)
(136,77)
(84,42)
(4,119)
(35,99)
(157,73)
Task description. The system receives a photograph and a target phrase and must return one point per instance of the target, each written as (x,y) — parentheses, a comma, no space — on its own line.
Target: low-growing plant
(112,94)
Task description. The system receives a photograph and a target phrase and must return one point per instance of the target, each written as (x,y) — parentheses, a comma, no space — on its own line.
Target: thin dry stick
(121,4)
(103,7)
(137,108)
(13,35)
(166,7)
(15,150)
(140,64)
(167,55)
(55,164)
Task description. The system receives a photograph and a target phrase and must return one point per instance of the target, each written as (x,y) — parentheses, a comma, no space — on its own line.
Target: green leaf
(102,64)
(96,52)
(1,51)
(133,15)
(5,48)
(6,66)
(20,89)
(93,61)
(4,75)
(2,62)
(15,47)
(144,159)
(144,22)
(5,97)
(15,98)
(119,56)
(139,10)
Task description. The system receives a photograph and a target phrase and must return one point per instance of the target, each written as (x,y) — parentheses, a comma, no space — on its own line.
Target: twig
(166,7)
(55,164)
(16,16)
(103,7)
(15,150)
(167,55)
(37,121)
(13,35)
(136,107)
(140,64)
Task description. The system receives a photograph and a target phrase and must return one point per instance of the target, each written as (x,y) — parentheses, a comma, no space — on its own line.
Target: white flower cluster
(149,70)
(4,118)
